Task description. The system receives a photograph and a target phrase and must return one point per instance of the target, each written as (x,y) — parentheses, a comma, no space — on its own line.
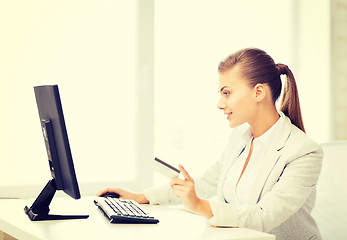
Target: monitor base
(39,211)
(44,217)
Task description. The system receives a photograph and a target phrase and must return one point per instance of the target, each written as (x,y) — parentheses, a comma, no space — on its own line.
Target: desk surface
(175,223)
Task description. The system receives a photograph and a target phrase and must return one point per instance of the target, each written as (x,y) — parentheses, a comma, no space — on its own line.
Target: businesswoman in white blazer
(266,177)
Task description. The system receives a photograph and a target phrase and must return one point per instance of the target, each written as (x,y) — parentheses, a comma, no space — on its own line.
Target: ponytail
(290,104)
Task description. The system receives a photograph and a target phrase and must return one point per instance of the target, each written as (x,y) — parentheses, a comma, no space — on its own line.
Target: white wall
(313,67)
(89,49)
(338,69)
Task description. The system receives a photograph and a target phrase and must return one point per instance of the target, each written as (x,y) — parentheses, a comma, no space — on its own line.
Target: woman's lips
(228,115)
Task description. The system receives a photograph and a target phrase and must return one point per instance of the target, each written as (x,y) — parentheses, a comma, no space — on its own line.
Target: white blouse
(240,193)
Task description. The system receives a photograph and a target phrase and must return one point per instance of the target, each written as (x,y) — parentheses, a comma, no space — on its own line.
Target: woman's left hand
(185,190)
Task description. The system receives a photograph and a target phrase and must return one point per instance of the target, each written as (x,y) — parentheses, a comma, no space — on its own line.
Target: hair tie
(282,68)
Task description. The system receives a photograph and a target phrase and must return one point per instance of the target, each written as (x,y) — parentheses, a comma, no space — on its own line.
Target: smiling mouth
(228,115)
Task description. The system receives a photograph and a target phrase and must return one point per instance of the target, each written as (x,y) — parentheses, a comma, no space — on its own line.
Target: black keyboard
(123,211)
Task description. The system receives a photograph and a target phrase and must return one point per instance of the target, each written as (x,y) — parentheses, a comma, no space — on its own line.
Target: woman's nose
(221,104)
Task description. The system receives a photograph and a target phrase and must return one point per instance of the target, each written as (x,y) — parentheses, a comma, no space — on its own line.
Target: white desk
(175,223)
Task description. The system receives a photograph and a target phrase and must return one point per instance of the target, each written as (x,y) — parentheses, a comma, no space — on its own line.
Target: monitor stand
(39,210)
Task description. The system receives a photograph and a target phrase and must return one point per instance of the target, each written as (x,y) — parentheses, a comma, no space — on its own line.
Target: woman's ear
(259,92)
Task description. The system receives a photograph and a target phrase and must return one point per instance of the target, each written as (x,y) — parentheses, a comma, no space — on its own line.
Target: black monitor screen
(60,158)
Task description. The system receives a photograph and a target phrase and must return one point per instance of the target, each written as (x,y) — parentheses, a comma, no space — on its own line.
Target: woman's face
(237,98)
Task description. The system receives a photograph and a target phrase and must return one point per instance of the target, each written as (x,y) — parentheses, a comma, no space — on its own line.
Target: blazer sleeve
(287,195)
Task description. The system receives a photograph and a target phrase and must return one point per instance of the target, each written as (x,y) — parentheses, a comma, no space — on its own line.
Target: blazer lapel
(270,160)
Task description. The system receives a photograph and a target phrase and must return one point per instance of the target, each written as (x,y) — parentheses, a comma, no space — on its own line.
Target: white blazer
(283,195)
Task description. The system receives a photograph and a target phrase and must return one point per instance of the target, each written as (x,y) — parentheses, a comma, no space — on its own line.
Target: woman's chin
(234,124)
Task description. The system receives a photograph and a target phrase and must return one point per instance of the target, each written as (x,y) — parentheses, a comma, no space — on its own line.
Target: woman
(266,177)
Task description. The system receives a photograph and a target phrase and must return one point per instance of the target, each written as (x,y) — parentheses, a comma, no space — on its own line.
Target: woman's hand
(138,197)
(185,190)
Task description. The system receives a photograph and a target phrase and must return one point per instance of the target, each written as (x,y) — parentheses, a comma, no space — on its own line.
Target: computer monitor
(59,155)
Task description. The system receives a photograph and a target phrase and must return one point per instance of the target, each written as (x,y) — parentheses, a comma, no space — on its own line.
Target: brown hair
(258,67)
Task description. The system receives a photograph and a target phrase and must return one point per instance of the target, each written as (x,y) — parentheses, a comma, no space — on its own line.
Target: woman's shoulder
(299,143)
(299,135)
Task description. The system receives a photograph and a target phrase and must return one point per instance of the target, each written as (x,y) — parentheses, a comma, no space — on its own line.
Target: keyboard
(123,211)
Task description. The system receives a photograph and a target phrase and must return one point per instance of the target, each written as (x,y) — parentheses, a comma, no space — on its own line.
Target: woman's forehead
(231,77)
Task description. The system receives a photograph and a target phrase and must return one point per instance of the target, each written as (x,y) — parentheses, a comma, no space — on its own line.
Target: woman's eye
(226,93)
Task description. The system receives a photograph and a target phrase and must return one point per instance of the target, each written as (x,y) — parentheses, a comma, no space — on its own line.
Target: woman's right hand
(138,197)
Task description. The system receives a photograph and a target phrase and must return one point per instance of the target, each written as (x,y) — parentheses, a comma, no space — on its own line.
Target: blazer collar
(285,127)
(278,136)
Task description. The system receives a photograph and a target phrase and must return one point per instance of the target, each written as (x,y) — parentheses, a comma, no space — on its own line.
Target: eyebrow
(222,88)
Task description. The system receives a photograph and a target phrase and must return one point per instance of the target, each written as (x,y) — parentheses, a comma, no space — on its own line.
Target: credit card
(165,168)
